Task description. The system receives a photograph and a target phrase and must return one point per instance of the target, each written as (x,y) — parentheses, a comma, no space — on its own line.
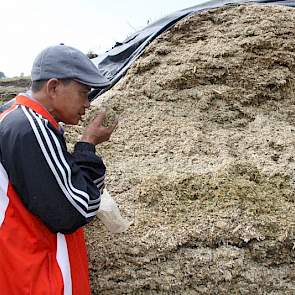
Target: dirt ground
(10,87)
(202,161)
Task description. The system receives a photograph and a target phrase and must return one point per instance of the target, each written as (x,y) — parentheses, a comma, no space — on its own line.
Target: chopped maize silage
(202,160)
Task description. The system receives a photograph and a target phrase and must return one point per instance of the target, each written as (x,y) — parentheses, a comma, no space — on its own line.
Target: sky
(29,26)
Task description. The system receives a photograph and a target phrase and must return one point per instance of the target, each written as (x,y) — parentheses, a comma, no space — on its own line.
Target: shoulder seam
(7,112)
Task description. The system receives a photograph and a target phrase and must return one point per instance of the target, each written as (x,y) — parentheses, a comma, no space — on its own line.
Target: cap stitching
(41,63)
(71,54)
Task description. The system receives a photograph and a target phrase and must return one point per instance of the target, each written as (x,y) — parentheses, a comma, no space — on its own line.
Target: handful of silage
(111,118)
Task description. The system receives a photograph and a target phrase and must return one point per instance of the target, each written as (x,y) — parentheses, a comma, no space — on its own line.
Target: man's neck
(43,100)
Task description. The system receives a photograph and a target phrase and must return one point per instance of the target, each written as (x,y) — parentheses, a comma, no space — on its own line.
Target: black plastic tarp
(115,62)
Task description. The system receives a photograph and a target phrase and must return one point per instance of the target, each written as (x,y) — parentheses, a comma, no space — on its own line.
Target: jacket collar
(37,107)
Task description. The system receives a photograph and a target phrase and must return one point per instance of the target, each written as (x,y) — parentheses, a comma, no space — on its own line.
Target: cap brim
(101,82)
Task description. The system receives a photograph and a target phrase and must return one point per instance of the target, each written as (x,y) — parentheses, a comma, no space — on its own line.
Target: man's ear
(52,87)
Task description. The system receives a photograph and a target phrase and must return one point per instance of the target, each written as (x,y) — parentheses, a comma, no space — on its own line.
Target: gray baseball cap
(64,62)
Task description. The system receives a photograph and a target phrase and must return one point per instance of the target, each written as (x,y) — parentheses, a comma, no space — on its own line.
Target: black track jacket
(60,188)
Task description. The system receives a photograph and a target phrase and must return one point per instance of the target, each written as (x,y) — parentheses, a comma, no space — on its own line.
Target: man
(46,193)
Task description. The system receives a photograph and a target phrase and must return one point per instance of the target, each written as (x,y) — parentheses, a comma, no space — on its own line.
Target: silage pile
(202,160)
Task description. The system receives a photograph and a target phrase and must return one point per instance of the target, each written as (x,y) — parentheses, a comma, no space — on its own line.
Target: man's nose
(87,104)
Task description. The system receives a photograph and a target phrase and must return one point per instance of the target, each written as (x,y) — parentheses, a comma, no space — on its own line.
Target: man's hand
(96,133)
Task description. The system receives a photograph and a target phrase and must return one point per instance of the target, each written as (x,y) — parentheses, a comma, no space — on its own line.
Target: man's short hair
(38,85)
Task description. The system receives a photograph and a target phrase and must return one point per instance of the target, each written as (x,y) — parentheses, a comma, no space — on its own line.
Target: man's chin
(73,122)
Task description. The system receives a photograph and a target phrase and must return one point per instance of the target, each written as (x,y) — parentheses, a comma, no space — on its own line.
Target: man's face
(71,102)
